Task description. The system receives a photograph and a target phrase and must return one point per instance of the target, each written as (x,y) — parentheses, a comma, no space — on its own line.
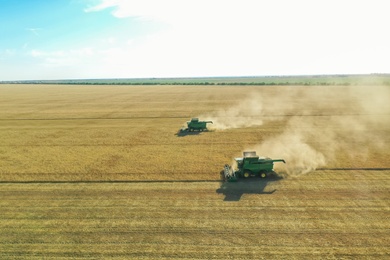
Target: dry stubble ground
(74,161)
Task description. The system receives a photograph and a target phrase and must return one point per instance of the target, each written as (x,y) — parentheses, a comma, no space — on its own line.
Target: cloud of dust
(292,146)
(321,123)
(248,112)
(243,114)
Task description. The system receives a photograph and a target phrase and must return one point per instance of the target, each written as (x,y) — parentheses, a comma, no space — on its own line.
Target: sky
(83,39)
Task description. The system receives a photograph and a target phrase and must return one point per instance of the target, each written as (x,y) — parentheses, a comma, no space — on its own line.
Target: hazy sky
(72,39)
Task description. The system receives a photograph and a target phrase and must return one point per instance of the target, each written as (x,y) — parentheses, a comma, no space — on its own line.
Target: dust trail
(243,114)
(323,123)
(249,111)
(294,147)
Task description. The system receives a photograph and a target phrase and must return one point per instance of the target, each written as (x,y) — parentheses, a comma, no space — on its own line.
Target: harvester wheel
(247,174)
(263,175)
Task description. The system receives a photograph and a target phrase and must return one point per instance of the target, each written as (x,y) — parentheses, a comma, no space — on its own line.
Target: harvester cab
(250,165)
(196,125)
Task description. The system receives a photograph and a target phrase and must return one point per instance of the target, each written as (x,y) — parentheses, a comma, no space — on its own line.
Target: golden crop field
(102,172)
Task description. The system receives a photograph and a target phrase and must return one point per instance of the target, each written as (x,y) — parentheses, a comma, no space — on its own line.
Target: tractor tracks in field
(184,117)
(355,169)
(91,118)
(172,181)
(110,181)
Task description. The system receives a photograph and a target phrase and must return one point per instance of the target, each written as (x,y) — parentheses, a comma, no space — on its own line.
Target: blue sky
(73,39)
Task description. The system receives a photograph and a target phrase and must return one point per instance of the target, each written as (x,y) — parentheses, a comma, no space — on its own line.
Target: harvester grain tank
(196,125)
(250,165)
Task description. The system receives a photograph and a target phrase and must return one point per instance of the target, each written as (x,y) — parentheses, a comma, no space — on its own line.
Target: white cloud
(9,52)
(34,30)
(254,37)
(62,58)
(229,38)
(102,5)
(145,9)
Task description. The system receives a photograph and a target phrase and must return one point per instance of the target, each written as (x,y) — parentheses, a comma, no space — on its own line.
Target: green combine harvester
(250,165)
(196,125)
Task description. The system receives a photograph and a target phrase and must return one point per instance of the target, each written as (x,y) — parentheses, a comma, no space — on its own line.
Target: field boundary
(106,181)
(170,181)
(353,169)
(179,117)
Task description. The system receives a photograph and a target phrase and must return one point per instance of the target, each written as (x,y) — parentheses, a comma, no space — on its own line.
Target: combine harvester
(196,125)
(250,165)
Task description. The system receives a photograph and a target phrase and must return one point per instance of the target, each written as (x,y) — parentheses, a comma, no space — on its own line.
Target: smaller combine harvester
(195,125)
(250,165)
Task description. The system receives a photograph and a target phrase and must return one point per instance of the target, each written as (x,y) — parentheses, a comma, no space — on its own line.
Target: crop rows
(102,172)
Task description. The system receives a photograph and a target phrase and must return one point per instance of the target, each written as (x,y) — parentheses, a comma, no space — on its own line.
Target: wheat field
(97,172)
